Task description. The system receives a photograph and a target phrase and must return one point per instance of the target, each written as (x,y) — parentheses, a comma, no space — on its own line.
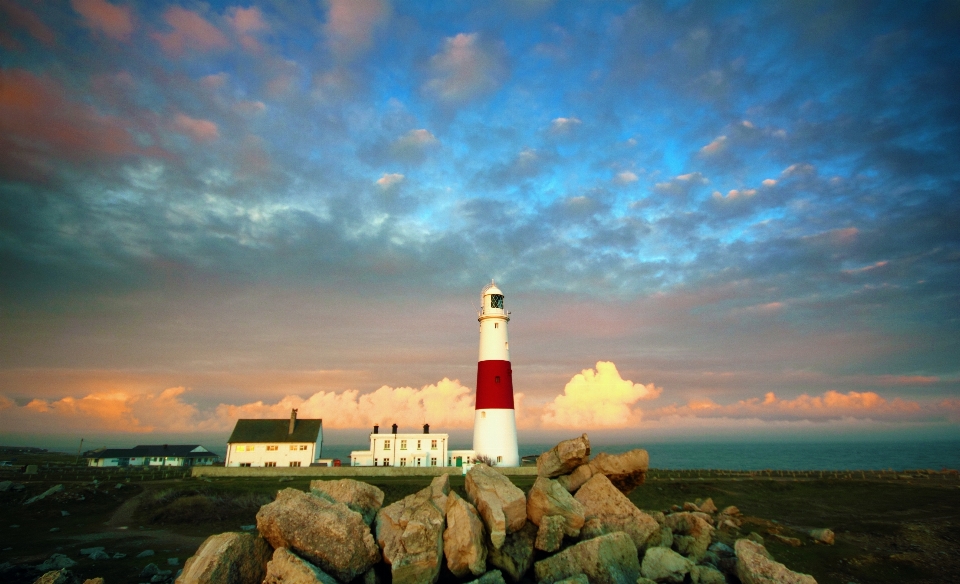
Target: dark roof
(152,450)
(275,431)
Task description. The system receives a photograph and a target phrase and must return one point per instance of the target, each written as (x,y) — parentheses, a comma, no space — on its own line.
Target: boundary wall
(347,471)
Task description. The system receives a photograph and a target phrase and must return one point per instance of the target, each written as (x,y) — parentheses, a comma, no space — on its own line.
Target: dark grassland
(893,529)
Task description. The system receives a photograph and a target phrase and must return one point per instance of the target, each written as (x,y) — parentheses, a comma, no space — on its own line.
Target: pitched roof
(153,450)
(275,431)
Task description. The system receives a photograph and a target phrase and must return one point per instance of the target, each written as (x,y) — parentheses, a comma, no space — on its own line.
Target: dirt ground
(886,530)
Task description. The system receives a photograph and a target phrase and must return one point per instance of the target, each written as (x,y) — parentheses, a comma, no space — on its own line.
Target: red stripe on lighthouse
(494,385)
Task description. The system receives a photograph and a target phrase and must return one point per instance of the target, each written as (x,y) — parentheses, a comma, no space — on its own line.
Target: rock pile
(576,525)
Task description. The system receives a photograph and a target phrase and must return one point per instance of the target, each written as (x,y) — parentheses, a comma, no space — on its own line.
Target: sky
(711,220)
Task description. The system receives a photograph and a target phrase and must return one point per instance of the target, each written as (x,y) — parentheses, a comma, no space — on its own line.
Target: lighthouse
(494,422)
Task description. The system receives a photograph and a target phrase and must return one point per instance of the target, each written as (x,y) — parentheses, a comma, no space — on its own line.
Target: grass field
(890,528)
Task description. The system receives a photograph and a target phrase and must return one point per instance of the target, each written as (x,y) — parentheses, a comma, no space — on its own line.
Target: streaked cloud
(190,32)
(114,21)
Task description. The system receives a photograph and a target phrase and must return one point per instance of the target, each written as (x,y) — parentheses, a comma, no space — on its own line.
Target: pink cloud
(465,69)
(718,144)
(23,18)
(199,130)
(114,21)
(246,22)
(190,32)
(598,398)
(352,23)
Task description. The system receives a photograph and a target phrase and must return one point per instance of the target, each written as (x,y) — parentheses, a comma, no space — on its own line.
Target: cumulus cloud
(190,32)
(465,68)
(598,398)
(351,24)
(734,194)
(246,23)
(199,130)
(625,177)
(113,21)
(718,144)
(390,179)
(769,182)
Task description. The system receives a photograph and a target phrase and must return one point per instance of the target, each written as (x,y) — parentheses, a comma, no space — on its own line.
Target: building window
(269,464)
(240,448)
(418,461)
(386,462)
(403,462)
(499,459)
(403,445)
(295,463)
(272,447)
(433,462)
(496,325)
(245,464)
(386,445)
(376,462)
(433,445)
(303,447)
(293,447)
(418,445)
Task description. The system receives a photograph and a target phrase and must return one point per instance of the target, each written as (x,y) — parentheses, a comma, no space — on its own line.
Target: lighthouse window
(496,301)
(496,325)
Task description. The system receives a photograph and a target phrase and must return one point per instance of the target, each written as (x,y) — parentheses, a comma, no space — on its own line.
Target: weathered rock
(708,506)
(642,580)
(93,581)
(548,498)
(145,554)
(706,575)
(227,558)
(51,491)
(62,576)
(732,511)
(410,532)
(705,516)
(99,555)
(823,536)
(579,579)
(5,486)
(550,534)
(564,457)
(665,565)
(755,567)
(150,570)
(721,549)
(324,533)
(501,504)
(691,534)
(664,539)
(363,498)
(791,541)
(755,537)
(56,562)
(439,490)
(91,550)
(516,555)
(626,471)
(688,506)
(463,539)
(287,568)
(607,559)
(607,510)
(491,577)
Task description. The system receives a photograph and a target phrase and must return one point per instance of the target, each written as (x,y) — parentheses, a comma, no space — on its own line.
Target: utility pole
(78,452)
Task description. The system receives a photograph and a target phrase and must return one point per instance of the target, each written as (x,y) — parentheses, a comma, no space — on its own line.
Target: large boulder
(515,556)
(823,535)
(61,576)
(325,533)
(564,457)
(491,577)
(363,498)
(626,470)
(287,568)
(227,558)
(501,504)
(464,539)
(608,559)
(548,498)
(607,510)
(56,562)
(665,565)
(550,534)
(704,574)
(410,532)
(754,566)
(691,534)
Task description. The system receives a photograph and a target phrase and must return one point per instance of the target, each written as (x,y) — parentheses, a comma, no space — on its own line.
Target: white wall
(403,450)
(257,454)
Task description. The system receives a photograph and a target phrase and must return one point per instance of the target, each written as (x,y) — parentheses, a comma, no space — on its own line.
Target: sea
(934,455)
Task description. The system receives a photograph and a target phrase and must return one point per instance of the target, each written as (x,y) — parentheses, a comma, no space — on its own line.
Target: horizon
(710,221)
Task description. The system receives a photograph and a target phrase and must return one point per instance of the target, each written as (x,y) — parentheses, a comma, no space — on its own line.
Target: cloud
(718,145)
(625,177)
(199,130)
(113,21)
(413,146)
(246,22)
(598,398)
(769,182)
(800,168)
(388,180)
(26,19)
(734,194)
(351,24)
(564,125)
(190,32)
(465,68)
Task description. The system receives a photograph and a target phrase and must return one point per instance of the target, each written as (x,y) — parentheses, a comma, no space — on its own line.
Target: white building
(396,449)
(152,455)
(268,443)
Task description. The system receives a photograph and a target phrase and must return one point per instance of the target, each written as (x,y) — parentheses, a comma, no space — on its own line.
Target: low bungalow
(153,455)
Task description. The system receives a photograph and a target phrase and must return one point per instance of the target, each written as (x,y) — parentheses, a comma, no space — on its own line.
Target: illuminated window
(403,445)
(433,445)
(295,463)
(496,301)
(293,447)
(271,448)
(270,464)
(386,445)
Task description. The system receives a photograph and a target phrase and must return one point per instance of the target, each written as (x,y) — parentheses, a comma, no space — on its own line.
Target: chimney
(376,428)
(426,428)
(293,421)
(394,428)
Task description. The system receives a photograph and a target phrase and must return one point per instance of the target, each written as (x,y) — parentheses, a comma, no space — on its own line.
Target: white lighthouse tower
(494,422)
